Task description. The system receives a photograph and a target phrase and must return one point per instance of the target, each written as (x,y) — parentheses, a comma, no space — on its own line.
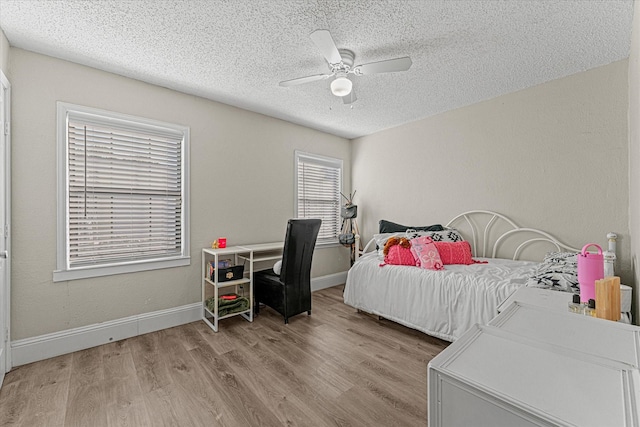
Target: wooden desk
(250,254)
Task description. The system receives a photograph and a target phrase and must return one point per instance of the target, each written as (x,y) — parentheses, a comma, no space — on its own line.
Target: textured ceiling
(236,51)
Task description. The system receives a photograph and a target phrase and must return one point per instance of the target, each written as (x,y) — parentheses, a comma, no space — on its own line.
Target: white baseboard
(42,347)
(328,281)
(55,344)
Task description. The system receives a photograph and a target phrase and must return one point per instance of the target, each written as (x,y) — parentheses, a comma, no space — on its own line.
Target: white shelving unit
(247,254)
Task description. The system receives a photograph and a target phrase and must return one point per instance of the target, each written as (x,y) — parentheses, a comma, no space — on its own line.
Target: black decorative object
(349,212)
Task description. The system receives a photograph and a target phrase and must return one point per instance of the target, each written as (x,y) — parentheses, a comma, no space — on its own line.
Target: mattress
(440,303)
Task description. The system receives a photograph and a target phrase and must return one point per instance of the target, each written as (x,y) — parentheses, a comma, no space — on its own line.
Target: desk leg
(204,284)
(251,286)
(216,296)
(249,316)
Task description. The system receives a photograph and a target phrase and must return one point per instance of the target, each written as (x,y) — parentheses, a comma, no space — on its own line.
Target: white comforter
(440,303)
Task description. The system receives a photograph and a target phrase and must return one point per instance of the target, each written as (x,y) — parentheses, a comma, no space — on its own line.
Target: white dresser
(604,338)
(559,300)
(538,366)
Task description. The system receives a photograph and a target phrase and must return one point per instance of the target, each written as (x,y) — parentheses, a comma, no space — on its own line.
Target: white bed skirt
(444,303)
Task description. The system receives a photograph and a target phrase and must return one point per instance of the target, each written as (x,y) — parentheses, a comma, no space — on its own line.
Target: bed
(446,303)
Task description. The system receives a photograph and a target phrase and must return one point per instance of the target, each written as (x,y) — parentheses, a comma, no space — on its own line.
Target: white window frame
(323,161)
(63,271)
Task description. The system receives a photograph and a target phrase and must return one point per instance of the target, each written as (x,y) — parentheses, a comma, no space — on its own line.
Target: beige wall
(552,157)
(4,52)
(241,188)
(634,154)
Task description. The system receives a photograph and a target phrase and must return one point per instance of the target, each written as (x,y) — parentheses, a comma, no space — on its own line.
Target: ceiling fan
(340,63)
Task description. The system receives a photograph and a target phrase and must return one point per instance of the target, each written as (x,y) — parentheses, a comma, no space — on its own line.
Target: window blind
(124,193)
(318,194)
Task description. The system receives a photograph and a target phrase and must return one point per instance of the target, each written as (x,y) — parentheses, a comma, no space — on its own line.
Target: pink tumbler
(590,269)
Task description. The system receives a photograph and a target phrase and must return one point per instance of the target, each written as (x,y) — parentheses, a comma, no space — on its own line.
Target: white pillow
(277,267)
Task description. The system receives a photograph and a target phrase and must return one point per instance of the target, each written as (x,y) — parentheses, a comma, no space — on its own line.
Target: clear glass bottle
(590,309)
(576,306)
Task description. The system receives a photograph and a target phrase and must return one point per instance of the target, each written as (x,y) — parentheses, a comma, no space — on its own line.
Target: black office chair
(290,292)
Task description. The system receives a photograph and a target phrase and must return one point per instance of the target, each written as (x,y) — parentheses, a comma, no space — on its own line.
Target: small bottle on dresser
(590,309)
(576,306)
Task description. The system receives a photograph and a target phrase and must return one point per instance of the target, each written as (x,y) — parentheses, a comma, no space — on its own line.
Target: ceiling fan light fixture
(341,86)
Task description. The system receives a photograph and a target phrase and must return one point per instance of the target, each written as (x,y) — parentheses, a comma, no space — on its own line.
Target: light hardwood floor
(336,367)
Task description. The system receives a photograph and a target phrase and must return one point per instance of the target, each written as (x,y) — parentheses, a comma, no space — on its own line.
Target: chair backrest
(297,254)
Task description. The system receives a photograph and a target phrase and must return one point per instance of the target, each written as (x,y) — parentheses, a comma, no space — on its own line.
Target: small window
(318,186)
(122,193)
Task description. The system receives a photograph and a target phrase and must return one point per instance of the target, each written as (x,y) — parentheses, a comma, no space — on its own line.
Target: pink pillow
(426,253)
(455,252)
(398,255)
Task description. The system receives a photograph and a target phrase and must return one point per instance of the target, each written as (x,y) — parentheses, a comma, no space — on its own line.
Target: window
(122,194)
(317,193)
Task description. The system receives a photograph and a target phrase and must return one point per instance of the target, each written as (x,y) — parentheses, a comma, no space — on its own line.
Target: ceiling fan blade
(388,66)
(324,41)
(302,80)
(351,98)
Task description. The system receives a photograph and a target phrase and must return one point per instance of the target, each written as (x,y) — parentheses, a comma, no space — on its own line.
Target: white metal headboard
(476,227)
(491,219)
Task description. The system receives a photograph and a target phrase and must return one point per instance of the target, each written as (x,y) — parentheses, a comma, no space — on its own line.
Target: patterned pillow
(455,252)
(570,258)
(558,271)
(446,235)
(426,253)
